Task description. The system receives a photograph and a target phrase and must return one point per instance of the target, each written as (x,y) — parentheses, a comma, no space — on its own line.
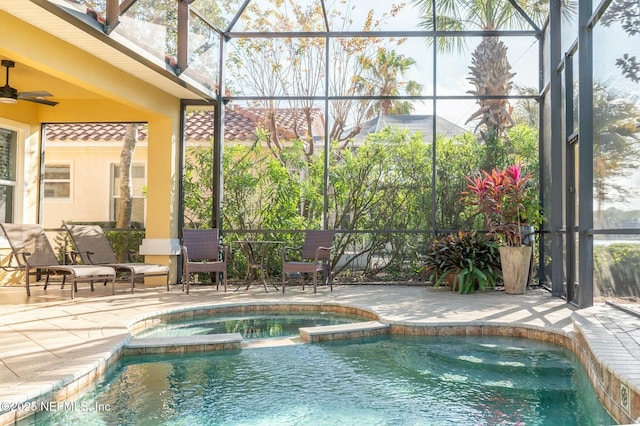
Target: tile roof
(75,132)
(240,125)
(290,121)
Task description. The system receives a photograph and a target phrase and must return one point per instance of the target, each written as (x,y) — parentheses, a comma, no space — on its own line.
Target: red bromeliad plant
(505,200)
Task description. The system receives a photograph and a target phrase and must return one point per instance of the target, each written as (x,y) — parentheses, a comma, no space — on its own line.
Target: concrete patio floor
(49,342)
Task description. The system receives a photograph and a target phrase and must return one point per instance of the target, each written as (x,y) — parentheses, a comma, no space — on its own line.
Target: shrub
(473,257)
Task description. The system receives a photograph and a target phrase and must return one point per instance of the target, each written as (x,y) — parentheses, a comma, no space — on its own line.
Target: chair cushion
(142,268)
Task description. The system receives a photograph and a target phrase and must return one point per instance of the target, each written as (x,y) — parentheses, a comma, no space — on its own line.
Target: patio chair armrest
(287,249)
(320,249)
(25,258)
(89,253)
(75,257)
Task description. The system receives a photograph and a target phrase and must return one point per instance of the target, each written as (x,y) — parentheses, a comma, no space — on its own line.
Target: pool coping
(357,330)
(182,344)
(610,365)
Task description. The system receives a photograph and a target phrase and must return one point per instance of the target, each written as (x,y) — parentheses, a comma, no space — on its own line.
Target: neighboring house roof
(240,125)
(413,123)
(292,122)
(76,132)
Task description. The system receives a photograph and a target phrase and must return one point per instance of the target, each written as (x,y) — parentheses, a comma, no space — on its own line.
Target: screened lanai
(505,75)
(367,118)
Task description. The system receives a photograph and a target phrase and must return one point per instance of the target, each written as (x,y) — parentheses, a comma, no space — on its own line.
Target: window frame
(69,181)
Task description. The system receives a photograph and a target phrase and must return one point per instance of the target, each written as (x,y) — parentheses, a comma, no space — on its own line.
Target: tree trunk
(491,76)
(126,187)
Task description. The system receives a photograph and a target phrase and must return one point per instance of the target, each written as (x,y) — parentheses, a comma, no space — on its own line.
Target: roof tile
(240,125)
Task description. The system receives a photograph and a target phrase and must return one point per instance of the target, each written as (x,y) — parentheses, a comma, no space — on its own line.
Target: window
(8,142)
(138,182)
(57,181)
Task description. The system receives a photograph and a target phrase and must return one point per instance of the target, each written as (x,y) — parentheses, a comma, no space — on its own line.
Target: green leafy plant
(125,243)
(507,201)
(473,258)
(616,269)
(63,247)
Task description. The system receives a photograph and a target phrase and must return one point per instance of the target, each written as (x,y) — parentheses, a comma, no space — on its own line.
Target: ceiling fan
(9,95)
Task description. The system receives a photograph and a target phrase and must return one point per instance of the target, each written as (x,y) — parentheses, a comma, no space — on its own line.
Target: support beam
(113,16)
(218,145)
(556,184)
(585,152)
(183,36)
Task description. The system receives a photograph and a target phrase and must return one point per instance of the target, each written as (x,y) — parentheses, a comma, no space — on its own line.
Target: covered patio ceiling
(36,73)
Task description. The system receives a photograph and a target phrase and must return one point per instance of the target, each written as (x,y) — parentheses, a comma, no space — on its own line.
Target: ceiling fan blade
(38,100)
(10,93)
(38,94)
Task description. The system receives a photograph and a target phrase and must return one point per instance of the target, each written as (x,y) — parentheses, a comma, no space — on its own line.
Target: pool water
(398,380)
(250,326)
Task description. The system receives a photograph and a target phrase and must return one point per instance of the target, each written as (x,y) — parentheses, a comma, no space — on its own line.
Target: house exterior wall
(91,163)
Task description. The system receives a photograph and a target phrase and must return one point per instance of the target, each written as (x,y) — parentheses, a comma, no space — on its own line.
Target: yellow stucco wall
(90,180)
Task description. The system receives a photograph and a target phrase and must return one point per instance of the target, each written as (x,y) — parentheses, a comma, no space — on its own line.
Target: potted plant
(509,205)
(468,261)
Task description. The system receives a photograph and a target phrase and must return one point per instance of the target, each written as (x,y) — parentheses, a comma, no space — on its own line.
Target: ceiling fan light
(7,100)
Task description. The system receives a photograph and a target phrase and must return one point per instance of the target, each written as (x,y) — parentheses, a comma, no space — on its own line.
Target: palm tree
(382,77)
(490,69)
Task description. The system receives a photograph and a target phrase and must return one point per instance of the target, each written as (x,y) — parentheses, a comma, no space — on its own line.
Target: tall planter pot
(515,268)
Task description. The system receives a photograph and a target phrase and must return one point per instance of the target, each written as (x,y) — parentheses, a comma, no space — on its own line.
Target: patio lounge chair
(33,253)
(315,256)
(202,252)
(94,249)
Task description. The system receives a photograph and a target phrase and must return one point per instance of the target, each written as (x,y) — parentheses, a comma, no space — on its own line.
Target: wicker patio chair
(202,252)
(94,249)
(314,255)
(34,255)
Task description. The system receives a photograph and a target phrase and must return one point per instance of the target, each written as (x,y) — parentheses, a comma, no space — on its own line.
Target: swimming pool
(394,380)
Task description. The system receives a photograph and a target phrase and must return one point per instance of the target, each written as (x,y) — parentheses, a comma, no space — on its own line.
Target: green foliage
(198,184)
(522,147)
(616,269)
(384,184)
(125,243)
(261,191)
(455,158)
(382,189)
(472,257)
(63,246)
(616,145)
